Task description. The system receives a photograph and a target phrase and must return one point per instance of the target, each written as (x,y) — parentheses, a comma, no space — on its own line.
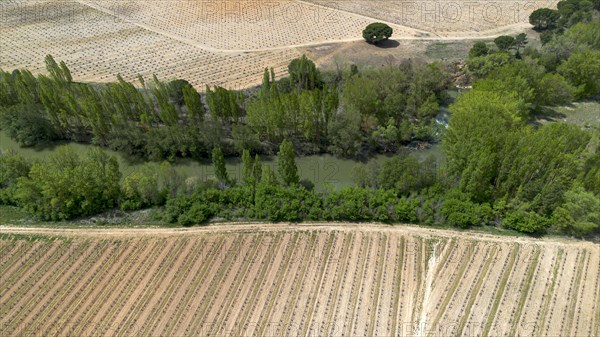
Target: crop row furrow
(340,268)
(396,296)
(115,279)
(26,283)
(450,289)
(94,291)
(472,295)
(150,288)
(531,268)
(255,287)
(574,294)
(263,319)
(314,294)
(29,262)
(138,270)
(180,274)
(235,288)
(373,308)
(190,293)
(291,301)
(214,286)
(356,286)
(58,304)
(50,280)
(500,290)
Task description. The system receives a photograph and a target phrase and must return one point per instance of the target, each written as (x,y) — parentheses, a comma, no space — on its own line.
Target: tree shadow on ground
(385,44)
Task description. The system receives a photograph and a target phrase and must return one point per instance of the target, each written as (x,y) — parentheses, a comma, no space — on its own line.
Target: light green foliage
(582,69)
(224,105)
(551,154)
(267,176)
(481,66)
(481,123)
(68,186)
(140,189)
(193,102)
(286,164)
(580,214)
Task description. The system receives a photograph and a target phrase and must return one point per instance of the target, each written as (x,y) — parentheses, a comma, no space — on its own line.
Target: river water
(322,170)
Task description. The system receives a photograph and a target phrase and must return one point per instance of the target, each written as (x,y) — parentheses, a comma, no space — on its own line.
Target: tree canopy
(377,32)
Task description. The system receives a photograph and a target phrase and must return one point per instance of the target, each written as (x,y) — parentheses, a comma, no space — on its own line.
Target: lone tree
(377,32)
(544,18)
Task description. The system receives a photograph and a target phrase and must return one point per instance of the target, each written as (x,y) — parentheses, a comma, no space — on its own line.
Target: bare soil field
(462,18)
(294,280)
(224,42)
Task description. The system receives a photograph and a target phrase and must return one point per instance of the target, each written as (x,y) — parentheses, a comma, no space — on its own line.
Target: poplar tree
(286,164)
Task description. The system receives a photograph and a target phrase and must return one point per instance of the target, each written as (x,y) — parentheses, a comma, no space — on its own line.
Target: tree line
(502,167)
(350,112)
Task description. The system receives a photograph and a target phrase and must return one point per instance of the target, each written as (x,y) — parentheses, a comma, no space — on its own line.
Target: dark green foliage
(544,18)
(504,42)
(405,174)
(277,203)
(224,105)
(286,164)
(218,161)
(176,90)
(459,211)
(12,167)
(480,48)
(377,32)
(304,74)
(27,124)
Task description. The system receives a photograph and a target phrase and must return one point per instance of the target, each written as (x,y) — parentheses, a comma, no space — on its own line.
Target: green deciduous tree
(218,161)
(580,214)
(582,69)
(480,48)
(286,164)
(304,74)
(68,186)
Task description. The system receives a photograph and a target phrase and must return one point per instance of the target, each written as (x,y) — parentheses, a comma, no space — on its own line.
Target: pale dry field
(446,18)
(222,42)
(294,280)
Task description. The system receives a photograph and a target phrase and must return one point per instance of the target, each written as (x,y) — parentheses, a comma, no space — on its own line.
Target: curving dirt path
(232,227)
